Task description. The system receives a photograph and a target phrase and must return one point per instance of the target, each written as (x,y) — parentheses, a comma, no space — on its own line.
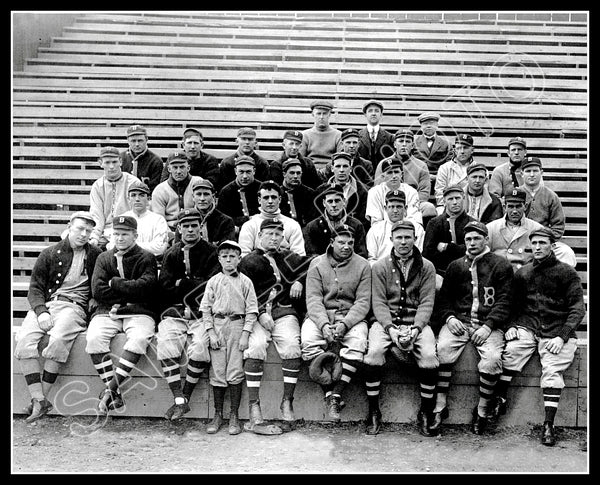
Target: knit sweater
(219,226)
(344,287)
(320,145)
(501,180)
(490,206)
(379,243)
(205,166)
(548,298)
(310,176)
(516,248)
(450,173)
(375,210)
(303,200)
(489,277)
(545,207)
(317,235)
(415,173)
(230,201)
(292,234)
(136,292)
(169,197)
(397,300)
(227,169)
(149,167)
(153,232)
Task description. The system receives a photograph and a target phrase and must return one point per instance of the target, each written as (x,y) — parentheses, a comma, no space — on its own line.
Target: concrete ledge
(147,393)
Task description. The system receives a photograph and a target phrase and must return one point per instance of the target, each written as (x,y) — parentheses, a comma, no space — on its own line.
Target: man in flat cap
(124,286)
(246,140)
(474,306)
(292,139)
(355,193)
(215,226)
(548,308)
(544,206)
(392,180)
(59,295)
(508,175)
(279,278)
(321,140)
(454,171)
(269,200)
(445,234)
(429,146)
(187,266)
(362,169)
(338,298)
(403,294)
(238,199)
(509,235)
(108,195)
(414,172)
(202,164)
(296,198)
(375,143)
(379,236)
(319,232)
(138,160)
(479,202)
(153,231)
(175,193)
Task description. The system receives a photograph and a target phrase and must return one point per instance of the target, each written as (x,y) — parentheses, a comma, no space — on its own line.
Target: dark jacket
(356,204)
(50,270)
(439,153)
(438,230)
(375,152)
(548,298)
(304,203)
(204,263)
(227,169)
(136,293)
(362,171)
(292,268)
(494,277)
(317,236)
(150,167)
(230,201)
(219,226)
(490,205)
(205,166)
(310,176)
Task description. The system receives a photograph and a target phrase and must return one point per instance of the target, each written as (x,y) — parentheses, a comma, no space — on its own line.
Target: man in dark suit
(375,143)
(430,147)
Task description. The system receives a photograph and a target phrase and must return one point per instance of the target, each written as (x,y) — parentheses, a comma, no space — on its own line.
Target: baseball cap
(244,159)
(349,133)
(109,152)
(545,232)
(515,195)
(124,222)
(465,139)
(139,186)
(247,132)
(229,244)
(176,156)
(531,161)
(136,130)
(403,225)
(476,166)
(83,215)
(397,195)
(476,226)
(404,134)
(271,223)
(517,140)
(293,135)
(188,215)
(203,184)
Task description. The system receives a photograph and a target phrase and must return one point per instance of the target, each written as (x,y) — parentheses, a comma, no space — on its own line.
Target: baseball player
(508,175)
(124,287)
(548,308)
(296,198)
(454,171)
(403,293)
(215,227)
(361,168)
(479,202)
(59,293)
(321,141)
(187,265)
(278,276)
(138,160)
(292,139)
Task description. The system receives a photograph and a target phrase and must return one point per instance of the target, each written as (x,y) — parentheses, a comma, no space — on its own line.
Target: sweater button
(60,263)
(57,282)
(509,251)
(58,274)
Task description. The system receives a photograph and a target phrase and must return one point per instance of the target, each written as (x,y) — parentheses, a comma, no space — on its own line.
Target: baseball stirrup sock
(503,383)
(104,367)
(348,371)
(192,376)
(219,398)
(427,382)
(373,385)
(487,382)
(170,368)
(253,368)
(442,386)
(124,367)
(235,397)
(290,369)
(34,384)
(551,399)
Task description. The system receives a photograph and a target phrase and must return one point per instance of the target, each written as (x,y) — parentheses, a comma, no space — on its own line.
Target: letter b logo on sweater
(488,295)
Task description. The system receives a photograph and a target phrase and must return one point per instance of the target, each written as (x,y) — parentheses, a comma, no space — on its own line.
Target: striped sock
(427,382)
(348,370)
(442,386)
(170,368)
(373,386)
(503,383)
(34,384)
(104,367)
(219,398)
(487,382)
(253,368)
(192,376)
(327,389)
(551,399)
(124,367)
(290,369)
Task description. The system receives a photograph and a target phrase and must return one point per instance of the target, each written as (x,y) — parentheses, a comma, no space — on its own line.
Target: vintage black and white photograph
(299,242)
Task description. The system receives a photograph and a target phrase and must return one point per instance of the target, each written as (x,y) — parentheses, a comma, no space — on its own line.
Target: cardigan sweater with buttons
(409,299)
(333,286)
(317,236)
(517,249)
(50,270)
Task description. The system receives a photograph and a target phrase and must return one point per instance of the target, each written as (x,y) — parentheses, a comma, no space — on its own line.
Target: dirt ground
(146,445)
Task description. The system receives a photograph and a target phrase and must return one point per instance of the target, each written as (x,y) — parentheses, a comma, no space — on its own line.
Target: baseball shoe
(104,402)
(180,410)
(256,424)
(287,409)
(499,406)
(425,420)
(116,401)
(438,419)
(234,424)
(215,425)
(169,413)
(39,408)
(374,422)
(548,437)
(333,408)
(479,423)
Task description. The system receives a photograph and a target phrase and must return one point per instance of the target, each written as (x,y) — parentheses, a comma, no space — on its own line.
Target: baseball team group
(350,248)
